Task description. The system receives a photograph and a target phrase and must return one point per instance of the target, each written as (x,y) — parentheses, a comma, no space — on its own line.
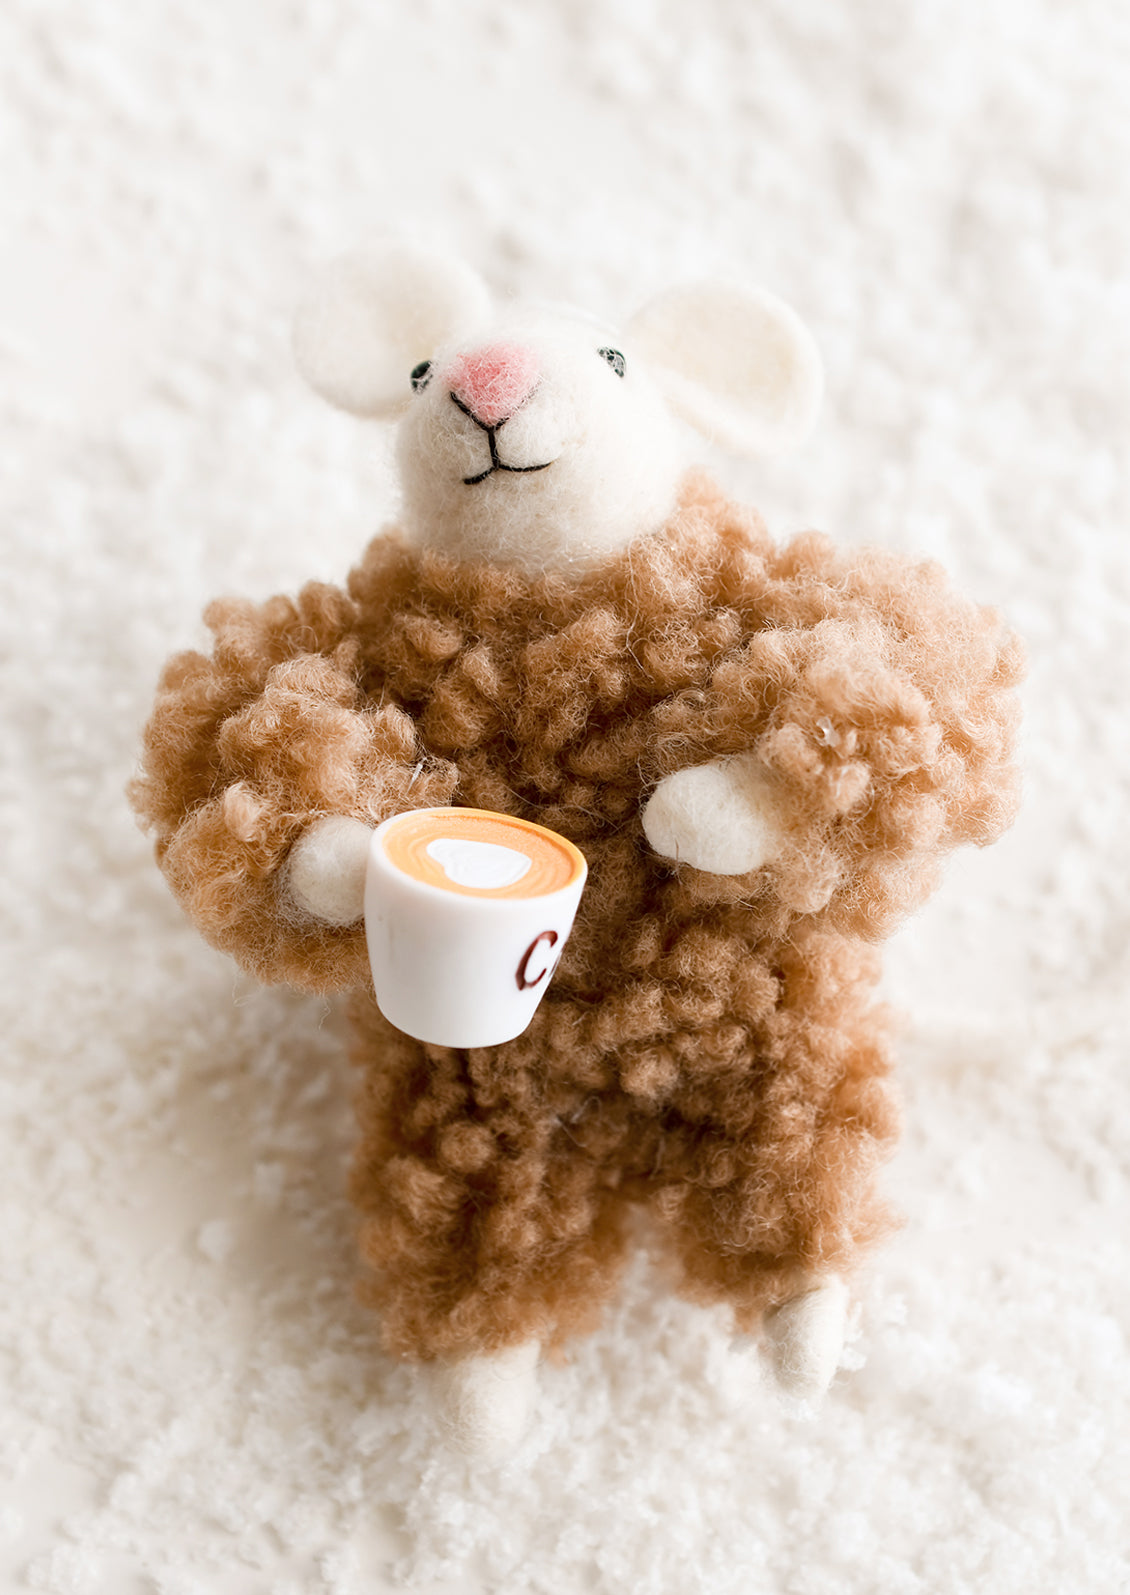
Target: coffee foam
(481,864)
(478,854)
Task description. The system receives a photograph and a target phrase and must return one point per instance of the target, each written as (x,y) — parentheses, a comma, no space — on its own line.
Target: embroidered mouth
(496,464)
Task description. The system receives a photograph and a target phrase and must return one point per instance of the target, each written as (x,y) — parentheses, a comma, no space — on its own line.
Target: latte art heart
(482,865)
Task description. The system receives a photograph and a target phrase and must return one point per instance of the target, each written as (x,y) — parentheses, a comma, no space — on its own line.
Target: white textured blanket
(192,1401)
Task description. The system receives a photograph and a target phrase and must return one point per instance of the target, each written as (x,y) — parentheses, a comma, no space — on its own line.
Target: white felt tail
(735,362)
(372,317)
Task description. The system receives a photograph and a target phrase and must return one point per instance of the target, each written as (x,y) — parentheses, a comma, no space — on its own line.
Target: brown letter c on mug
(522,976)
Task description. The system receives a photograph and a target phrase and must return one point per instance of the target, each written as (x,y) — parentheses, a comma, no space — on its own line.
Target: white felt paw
(805,1337)
(485,1402)
(325,874)
(722,817)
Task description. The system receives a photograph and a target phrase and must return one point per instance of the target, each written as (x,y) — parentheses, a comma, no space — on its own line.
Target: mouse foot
(485,1401)
(805,1337)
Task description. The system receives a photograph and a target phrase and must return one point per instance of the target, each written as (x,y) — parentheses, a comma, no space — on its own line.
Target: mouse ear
(735,362)
(371,317)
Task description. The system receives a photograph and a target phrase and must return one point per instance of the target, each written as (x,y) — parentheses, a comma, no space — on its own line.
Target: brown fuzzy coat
(709,1045)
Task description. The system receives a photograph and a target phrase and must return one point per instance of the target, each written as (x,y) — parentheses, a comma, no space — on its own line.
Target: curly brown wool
(710,1046)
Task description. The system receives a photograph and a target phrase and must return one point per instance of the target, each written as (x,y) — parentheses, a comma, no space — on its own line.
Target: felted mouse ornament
(762,752)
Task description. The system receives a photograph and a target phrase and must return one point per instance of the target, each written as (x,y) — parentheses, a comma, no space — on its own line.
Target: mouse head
(537,436)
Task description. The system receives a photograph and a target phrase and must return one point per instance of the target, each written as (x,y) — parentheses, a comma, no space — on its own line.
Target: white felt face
(540,438)
(537,441)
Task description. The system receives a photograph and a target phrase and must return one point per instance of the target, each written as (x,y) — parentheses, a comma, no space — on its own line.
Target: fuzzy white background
(192,1401)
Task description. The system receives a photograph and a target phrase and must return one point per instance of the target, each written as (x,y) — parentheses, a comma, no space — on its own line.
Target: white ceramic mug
(466,917)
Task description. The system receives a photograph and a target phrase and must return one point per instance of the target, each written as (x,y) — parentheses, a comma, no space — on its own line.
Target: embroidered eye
(421,376)
(615,360)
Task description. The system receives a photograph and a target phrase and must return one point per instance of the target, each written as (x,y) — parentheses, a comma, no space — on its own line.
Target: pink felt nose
(493,381)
